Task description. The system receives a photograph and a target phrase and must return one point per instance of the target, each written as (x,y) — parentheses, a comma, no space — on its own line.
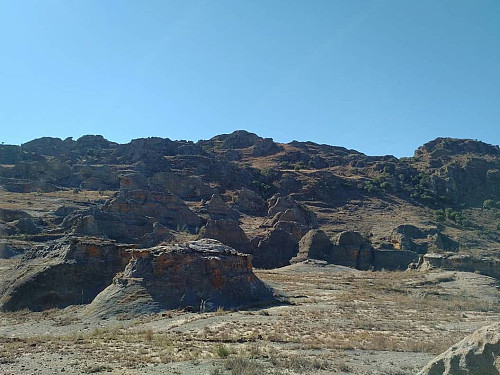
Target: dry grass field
(333,320)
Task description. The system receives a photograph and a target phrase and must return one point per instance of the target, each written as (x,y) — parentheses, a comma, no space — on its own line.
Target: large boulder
(477,354)
(70,272)
(288,215)
(352,250)
(201,276)
(251,203)
(228,232)
(217,209)
(276,249)
(314,245)
(294,210)
(8,215)
(443,242)
(26,225)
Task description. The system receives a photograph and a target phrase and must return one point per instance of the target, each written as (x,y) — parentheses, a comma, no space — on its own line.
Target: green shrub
(222,351)
(371,187)
(386,186)
(439,215)
(489,203)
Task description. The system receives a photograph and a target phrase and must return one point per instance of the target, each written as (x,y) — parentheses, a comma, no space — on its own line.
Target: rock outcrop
(200,275)
(26,225)
(276,249)
(477,354)
(314,245)
(8,215)
(251,203)
(73,271)
(265,147)
(288,215)
(408,237)
(185,187)
(217,209)
(411,238)
(459,262)
(463,170)
(352,250)
(227,232)
(130,214)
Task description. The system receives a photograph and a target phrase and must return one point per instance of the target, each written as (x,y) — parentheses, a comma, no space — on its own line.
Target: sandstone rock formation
(227,232)
(72,271)
(131,214)
(459,262)
(251,203)
(275,249)
(314,245)
(468,179)
(133,181)
(200,275)
(411,238)
(217,209)
(264,147)
(405,237)
(352,250)
(185,187)
(8,215)
(290,216)
(26,225)
(477,354)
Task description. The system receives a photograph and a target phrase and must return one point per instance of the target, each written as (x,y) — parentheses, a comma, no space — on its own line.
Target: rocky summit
(297,247)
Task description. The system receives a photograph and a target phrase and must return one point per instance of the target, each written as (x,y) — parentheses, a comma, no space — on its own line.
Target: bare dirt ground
(336,320)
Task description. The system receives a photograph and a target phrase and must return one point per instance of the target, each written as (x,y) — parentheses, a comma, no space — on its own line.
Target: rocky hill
(255,195)
(155,242)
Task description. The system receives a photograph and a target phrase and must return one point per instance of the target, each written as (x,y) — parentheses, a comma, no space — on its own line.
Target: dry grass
(329,315)
(44,202)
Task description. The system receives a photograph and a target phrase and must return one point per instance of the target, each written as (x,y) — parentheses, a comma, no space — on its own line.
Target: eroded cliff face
(200,275)
(72,271)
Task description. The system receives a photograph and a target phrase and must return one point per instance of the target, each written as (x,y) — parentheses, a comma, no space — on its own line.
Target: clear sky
(382,77)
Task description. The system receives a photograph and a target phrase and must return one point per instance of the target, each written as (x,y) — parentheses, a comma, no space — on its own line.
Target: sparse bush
(285,165)
(386,185)
(439,215)
(149,335)
(371,187)
(488,204)
(223,351)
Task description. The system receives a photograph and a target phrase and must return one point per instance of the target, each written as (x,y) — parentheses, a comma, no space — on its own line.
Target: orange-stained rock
(200,275)
(71,271)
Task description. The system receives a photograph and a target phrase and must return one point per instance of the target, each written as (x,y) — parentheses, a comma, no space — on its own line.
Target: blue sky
(382,77)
